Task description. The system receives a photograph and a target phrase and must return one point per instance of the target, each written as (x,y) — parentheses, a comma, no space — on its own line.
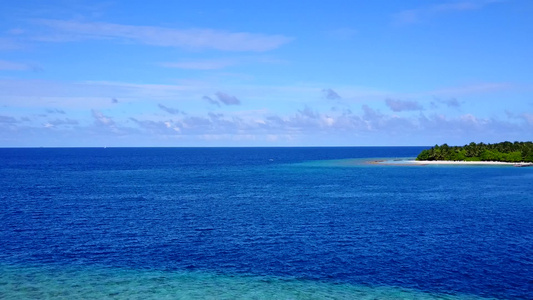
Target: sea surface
(260,223)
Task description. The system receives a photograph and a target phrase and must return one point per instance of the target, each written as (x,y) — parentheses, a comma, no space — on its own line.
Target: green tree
(505,151)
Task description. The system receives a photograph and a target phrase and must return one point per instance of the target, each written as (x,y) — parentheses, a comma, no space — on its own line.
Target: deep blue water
(297,216)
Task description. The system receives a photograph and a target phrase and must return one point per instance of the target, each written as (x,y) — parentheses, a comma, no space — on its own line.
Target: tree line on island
(506,152)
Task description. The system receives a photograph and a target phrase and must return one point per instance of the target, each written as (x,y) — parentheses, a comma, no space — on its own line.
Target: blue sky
(265,73)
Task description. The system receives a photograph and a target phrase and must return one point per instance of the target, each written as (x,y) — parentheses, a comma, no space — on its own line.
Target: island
(517,152)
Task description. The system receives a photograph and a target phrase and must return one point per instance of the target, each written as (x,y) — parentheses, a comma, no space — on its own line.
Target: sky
(265,73)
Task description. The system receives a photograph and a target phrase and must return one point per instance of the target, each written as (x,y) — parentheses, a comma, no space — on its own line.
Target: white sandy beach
(456,162)
(401,162)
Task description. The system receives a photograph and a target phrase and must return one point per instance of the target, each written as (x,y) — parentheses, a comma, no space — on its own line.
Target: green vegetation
(506,151)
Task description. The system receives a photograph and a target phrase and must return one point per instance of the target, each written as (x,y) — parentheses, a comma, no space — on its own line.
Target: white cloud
(305,124)
(329,121)
(471,89)
(460,5)
(416,15)
(9,44)
(330,94)
(211,100)
(55,111)
(168,127)
(450,102)
(309,113)
(14,66)
(60,122)
(528,117)
(63,31)
(199,65)
(8,119)
(227,99)
(101,119)
(170,110)
(402,105)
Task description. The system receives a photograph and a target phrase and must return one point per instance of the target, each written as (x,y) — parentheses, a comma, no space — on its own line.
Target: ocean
(260,223)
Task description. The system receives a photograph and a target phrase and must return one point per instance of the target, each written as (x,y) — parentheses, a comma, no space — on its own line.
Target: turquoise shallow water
(260,223)
(94,283)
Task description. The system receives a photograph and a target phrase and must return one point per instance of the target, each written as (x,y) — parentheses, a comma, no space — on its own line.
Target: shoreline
(450,162)
(463,162)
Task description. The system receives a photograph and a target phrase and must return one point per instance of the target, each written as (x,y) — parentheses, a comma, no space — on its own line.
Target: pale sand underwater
(93,283)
